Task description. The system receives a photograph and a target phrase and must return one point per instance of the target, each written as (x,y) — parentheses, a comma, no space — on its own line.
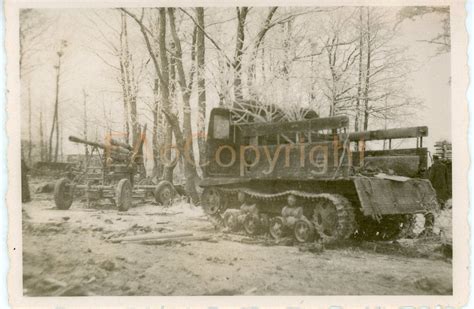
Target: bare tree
(41,135)
(340,51)
(367,70)
(239,51)
(201,82)
(386,69)
(124,60)
(189,162)
(127,68)
(157,124)
(84,94)
(364,67)
(165,84)
(360,47)
(55,123)
(33,27)
(162,69)
(30,142)
(267,25)
(443,39)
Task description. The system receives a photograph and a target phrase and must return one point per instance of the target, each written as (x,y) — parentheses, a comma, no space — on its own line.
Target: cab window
(221,127)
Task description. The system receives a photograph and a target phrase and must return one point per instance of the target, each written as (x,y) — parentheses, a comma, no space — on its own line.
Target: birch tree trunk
(185,142)
(130,82)
(239,45)
(41,134)
(55,115)
(157,165)
(163,76)
(86,148)
(201,84)
(359,83)
(164,89)
(258,42)
(123,82)
(367,73)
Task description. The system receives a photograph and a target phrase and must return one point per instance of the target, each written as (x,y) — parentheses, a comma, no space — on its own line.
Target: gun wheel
(63,194)
(277,228)
(123,195)
(333,218)
(304,230)
(164,193)
(212,201)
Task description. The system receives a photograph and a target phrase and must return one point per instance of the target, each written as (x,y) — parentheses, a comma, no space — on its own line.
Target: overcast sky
(84,70)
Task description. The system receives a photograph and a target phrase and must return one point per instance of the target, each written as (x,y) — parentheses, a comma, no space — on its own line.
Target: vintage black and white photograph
(236,150)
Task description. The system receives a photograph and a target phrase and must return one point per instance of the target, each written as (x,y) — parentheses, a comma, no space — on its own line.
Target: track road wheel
(231,219)
(63,194)
(333,218)
(252,224)
(123,195)
(164,193)
(212,201)
(277,228)
(304,230)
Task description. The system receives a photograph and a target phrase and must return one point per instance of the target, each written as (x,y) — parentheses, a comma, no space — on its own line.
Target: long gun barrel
(120,144)
(409,132)
(116,152)
(78,140)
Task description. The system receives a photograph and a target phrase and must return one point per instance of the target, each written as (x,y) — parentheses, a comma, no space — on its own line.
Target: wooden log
(54,282)
(168,240)
(151,236)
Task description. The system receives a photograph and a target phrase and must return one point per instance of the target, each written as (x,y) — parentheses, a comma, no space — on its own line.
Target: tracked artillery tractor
(114,178)
(313,179)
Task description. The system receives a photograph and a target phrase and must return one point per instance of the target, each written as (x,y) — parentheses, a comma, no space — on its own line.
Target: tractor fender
(395,195)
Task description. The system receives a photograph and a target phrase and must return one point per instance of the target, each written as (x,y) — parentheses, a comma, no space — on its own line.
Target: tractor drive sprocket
(333,217)
(213,201)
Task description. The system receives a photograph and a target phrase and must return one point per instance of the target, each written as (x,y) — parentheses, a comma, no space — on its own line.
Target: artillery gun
(313,179)
(115,178)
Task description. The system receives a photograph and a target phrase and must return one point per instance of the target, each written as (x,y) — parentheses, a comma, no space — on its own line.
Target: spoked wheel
(277,228)
(63,194)
(212,201)
(123,195)
(333,218)
(164,193)
(231,220)
(304,230)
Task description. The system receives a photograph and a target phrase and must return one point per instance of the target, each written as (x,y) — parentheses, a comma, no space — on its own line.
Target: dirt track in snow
(68,252)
